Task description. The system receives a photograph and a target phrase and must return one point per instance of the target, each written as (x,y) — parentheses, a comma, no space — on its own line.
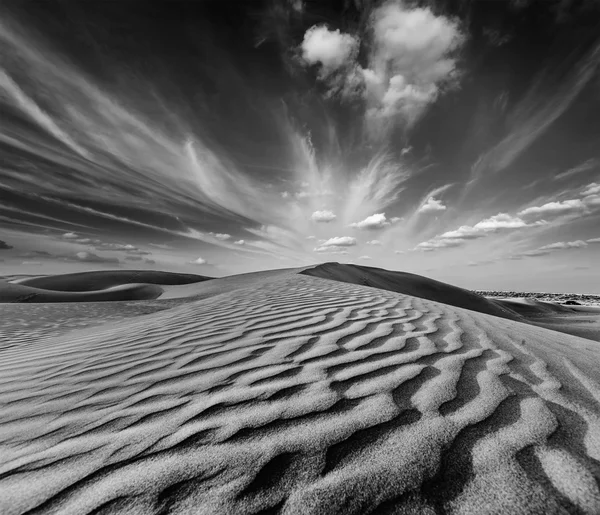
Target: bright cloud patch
(376,221)
(330,49)
(374,242)
(340,241)
(432,205)
(412,57)
(323,216)
(199,261)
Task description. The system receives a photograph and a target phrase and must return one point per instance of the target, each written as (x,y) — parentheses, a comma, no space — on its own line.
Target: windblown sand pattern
(302,395)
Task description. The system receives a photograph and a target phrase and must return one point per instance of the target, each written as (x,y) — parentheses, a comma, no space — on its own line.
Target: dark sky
(456,139)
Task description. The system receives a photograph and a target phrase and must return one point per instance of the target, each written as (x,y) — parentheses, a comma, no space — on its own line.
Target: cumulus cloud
(89,257)
(339,241)
(593,240)
(365,258)
(432,205)
(5,246)
(554,209)
(374,242)
(323,216)
(331,49)
(411,60)
(198,261)
(70,236)
(373,222)
(458,237)
(240,242)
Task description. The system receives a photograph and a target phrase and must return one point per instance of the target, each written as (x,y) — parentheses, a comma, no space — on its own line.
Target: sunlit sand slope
(302,396)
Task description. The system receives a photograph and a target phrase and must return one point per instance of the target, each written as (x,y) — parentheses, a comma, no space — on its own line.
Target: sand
(101,286)
(295,394)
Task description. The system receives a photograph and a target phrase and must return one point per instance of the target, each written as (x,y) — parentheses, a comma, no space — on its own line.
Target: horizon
(453,140)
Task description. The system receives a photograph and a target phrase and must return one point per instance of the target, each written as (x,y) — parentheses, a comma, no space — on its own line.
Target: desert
(299,257)
(299,391)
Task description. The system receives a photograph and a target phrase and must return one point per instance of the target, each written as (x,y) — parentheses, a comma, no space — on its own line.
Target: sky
(456,140)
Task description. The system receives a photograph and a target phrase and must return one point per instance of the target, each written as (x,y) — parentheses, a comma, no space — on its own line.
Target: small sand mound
(100,280)
(302,396)
(10,292)
(411,284)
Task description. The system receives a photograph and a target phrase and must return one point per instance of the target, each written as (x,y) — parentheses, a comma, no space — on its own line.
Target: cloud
(550,248)
(220,236)
(411,59)
(460,236)
(554,209)
(150,261)
(373,222)
(339,241)
(70,236)
(429,246)
(133,258)
(330,49)
(591,189)
(561,245)
(198,261)
(323,216)
(432,206)
(162,246)
(500,221)
(89,257)
(5,246)
(365,258)
(331,249)
(586,166)
(31,263)
(240,242)
(374,242)
(593,240)
(548,98)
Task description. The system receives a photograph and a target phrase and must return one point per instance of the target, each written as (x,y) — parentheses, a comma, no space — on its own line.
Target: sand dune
(300,395)
(100,286)
(10,292)
(411,284)
(101,280)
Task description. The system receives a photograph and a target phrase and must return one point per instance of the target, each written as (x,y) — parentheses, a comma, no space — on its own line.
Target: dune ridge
(302,396)
(10,292)
(104,279)
(411,284)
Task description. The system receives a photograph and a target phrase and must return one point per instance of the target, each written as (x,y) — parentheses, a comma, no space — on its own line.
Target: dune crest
(302,396)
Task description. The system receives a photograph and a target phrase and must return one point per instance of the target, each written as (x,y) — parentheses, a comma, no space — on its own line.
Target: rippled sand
(302,395)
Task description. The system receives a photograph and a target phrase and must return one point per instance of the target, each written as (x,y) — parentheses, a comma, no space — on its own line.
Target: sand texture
(302,395)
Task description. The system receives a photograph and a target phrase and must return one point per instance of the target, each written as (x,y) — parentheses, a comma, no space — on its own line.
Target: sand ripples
(302,396)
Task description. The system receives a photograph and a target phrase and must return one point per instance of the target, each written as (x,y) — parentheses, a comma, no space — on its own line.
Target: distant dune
(100,280)
(283,392)
(410,284)
(101,286)
(10,292)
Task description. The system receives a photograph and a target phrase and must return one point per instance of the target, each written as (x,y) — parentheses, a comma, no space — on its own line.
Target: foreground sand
(300,395)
